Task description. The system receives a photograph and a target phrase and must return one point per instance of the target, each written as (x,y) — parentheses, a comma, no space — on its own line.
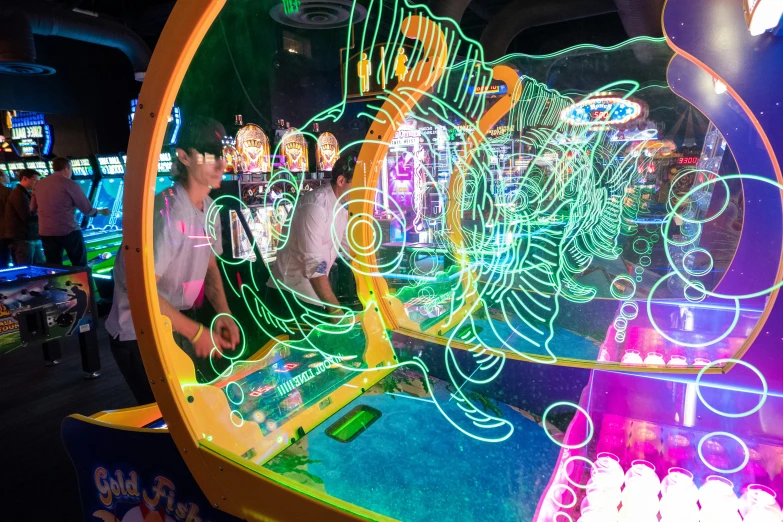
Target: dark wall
(86,102)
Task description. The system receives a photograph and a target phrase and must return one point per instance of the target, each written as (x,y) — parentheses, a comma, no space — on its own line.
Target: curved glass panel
(411,245)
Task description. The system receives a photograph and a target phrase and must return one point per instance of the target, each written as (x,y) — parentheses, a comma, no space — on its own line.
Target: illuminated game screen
(111,165)
(85,185)
(81,167)
(162,183)
(108,195)
(8,173)
(290,383)
(82,174)
(39,166)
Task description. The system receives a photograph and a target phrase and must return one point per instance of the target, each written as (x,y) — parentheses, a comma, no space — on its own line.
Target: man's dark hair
(344,167)
(59,164)
(27,173)
(201,133)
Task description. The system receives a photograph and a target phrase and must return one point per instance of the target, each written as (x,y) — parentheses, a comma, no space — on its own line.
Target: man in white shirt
(300,276)
(185,263)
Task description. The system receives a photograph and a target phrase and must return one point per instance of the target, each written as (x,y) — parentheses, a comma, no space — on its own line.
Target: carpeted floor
(37,481)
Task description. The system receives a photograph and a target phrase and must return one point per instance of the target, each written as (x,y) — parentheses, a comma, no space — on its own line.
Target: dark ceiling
(147,18)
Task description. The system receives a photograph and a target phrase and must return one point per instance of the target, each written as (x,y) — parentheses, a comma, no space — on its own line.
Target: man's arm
(80,200)
(33,204)
(325,293)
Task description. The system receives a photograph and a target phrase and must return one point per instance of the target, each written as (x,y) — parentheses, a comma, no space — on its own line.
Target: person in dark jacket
(5,253)
(21,225)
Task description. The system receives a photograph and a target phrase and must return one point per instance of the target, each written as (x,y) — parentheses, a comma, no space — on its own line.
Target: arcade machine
(41,305)
(248,173)
(9,176)
(11,168)
(483,394)
(164,179)
(84,176)
(39,165)
(103,234)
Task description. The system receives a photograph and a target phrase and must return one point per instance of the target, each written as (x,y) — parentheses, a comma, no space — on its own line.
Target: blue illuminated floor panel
(411,464)
(562,344)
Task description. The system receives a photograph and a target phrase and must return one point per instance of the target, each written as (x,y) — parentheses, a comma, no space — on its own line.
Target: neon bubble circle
(617,282)
(364,224)
(680,342)
(230,396)
(697,273)
(559,516)
(723,413)
(731,436)
(666,241)
(698,285)
(590,431)
(565,488)
(236,413)
(629,310)
(568,461)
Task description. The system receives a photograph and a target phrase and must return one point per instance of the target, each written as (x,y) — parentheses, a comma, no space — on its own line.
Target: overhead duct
(522,14)
(641,17)
(47,20)
(17,47)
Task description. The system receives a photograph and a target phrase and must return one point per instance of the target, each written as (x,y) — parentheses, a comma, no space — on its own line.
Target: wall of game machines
(421,158)
(101,178)
(267,184)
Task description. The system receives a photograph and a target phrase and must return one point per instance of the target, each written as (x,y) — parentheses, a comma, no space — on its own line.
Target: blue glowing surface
(27,271)
(412,465)
(562,344)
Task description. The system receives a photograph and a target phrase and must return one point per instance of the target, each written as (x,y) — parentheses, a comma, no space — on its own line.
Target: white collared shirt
(311,249)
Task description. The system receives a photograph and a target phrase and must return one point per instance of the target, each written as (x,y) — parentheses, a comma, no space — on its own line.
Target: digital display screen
(164,163)
(39,166)
(81,167)
(85,185)
(289,384)
(108,195)
(162,183)
(13,167)
(601,111)
(4,170)
(688,160)
(111,165)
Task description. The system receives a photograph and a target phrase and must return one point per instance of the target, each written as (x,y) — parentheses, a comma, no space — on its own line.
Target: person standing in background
(21,225)
(56,199)
(5,253)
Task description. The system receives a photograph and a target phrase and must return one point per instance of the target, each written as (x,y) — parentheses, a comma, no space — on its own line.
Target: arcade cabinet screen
(11,180)
(39,166)
(85,185)
(108,195)
(81,168)
(164,180)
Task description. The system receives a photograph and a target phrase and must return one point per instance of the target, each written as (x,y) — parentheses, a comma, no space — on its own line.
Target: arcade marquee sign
(30,135)
(601,112)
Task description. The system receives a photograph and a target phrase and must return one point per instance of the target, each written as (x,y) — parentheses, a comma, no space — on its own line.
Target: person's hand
(104,211)
(226,333)
(203,345)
